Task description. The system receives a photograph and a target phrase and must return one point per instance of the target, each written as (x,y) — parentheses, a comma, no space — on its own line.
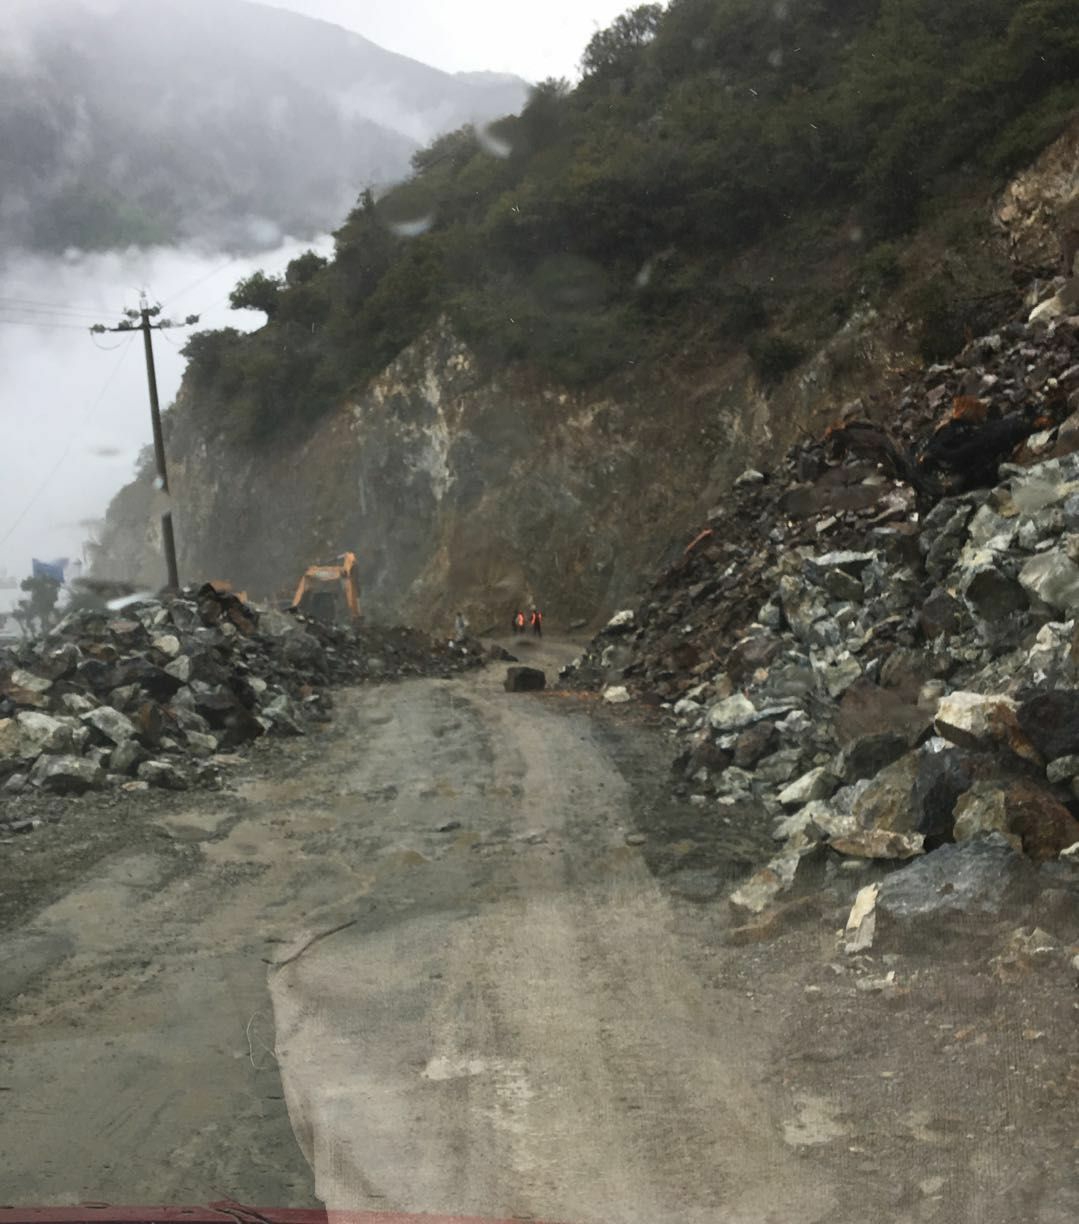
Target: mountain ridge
(208,122)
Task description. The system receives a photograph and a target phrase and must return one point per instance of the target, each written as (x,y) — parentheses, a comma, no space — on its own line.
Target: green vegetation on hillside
(611,223)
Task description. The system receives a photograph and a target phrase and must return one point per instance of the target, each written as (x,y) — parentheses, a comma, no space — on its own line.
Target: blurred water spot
(411,229)
(125,601)
(159,484)
(490,143)
(775,58)
(856,234)
(781,10)
(644,276)
(106,452)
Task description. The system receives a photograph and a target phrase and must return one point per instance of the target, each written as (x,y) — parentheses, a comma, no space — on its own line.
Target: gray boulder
(110,724)
(978,878)
(66,775)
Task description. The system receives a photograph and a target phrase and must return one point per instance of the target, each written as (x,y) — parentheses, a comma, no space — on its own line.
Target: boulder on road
(524,680)
(67,775)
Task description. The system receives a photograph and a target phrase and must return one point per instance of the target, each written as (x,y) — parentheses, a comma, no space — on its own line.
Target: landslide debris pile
(154,693)
(874,649)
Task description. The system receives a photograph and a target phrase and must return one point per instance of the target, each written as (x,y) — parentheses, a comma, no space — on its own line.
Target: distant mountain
(209,120)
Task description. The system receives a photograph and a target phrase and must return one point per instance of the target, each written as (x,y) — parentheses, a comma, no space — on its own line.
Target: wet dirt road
(511,1022)
(460,952)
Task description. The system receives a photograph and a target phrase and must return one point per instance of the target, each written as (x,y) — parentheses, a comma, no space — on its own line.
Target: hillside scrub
(603,223)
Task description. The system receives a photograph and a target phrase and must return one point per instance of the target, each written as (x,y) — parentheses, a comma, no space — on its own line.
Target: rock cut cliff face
(459,489)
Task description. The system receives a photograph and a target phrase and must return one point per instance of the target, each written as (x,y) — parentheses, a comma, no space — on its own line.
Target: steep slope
(532,366)
(220,121)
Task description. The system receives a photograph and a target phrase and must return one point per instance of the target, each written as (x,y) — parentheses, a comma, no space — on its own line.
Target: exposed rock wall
(458,489)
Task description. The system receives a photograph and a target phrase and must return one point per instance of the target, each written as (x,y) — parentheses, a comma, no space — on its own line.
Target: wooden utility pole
(143,316)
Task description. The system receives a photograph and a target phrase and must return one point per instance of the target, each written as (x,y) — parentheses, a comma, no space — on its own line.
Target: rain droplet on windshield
(411,229)
(125,601)
(491,143)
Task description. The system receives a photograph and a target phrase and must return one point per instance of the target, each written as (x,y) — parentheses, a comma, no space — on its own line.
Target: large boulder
(979,878)
(885,803)
(1053,578)
(944,773)
(110,724)
(984,720)
(1029,816)
(42,733)
(524,680)
(67,775)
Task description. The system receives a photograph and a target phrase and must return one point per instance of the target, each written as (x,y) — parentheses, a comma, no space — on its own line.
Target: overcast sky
(532,38)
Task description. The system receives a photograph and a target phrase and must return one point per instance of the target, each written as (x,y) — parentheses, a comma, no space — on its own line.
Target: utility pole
(139,320)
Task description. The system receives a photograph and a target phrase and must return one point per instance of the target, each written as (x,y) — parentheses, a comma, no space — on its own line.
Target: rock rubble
(157,692)
(875,646)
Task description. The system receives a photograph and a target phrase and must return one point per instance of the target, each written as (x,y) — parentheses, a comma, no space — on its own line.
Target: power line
(201,280)
(86,413)
(48,323)
(37,307)
(66,307)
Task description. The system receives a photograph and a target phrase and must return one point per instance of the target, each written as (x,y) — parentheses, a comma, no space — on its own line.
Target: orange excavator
(328,592)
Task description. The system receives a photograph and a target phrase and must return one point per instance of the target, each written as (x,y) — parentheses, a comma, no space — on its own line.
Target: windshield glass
(539,561)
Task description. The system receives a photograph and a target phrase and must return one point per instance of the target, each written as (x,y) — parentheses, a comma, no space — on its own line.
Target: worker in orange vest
(537,622)
(519,622)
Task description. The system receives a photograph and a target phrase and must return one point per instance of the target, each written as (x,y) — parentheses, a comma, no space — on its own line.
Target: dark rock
(867,755)
(1050,720)
(304,650)
(752,653)
(942,777)
(754,743)
(1040,821)
(154,681)
(149,721)
(59,662)
(940,614)
(524,680)
(993,595)
(95,675)
(978,878)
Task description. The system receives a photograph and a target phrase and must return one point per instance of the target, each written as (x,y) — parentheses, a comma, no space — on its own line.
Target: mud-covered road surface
(460,952)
